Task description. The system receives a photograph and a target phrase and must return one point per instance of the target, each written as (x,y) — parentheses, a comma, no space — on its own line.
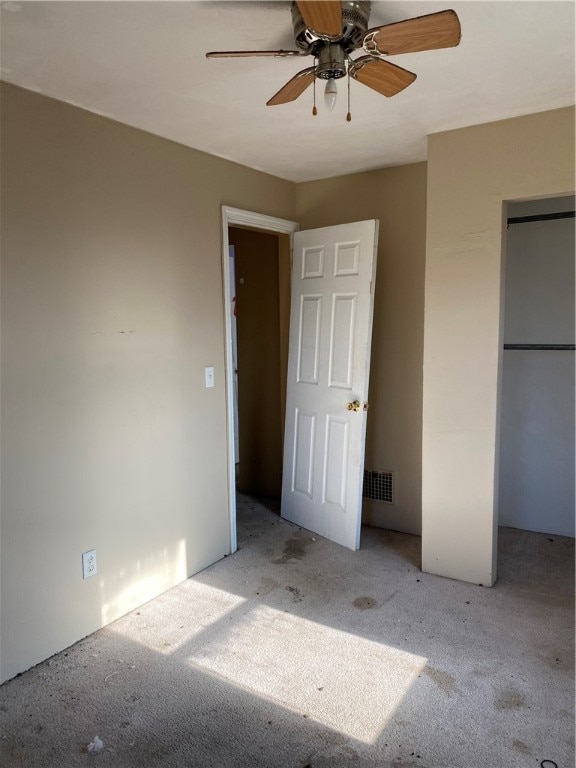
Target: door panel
(342,339)
(309,339)
(303,474)
(336,452)
(328,366)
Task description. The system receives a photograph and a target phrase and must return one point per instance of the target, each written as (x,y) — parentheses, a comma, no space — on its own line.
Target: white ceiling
(142,63)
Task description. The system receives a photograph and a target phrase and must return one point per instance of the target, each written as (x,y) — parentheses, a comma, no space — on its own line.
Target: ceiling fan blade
(380,75)
(323,16)
(423,33)
(293,88)
(242,54)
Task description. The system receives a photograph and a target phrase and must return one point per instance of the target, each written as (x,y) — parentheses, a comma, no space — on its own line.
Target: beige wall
(111,308)
(397,197)
(470,173)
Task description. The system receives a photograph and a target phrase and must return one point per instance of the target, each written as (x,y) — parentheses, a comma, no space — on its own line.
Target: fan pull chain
(349,114)
(314,110)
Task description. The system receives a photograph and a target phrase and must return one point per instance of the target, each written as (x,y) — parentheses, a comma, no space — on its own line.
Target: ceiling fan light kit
(330,31)
(330,94)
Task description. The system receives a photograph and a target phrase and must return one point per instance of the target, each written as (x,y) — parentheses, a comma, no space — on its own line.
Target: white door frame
(237,217)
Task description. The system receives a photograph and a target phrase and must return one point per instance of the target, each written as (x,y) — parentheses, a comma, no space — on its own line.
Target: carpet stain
(266,586)
(519,746)
(443,680)
(364,603)
(557,662)
(297,595)
(510,699)
(294,549)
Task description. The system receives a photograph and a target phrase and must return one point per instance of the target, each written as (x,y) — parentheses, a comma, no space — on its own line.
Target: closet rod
(541,217)
(552,347)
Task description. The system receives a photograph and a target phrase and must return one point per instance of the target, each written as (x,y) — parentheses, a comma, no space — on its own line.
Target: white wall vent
(378,486)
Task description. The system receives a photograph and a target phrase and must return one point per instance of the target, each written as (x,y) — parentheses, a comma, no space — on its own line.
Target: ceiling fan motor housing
(355,15)
(331,62)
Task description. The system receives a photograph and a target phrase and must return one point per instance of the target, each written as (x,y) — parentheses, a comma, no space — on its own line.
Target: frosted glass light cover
(330,93)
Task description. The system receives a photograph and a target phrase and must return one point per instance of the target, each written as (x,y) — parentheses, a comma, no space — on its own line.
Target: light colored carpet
(296,652)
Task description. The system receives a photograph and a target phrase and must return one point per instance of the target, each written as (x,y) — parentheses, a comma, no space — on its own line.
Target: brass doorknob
(353,406)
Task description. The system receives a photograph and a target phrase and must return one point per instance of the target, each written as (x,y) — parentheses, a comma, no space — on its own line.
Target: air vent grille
(378,486)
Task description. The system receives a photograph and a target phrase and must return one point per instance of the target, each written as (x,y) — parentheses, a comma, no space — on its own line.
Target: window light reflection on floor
(338,679)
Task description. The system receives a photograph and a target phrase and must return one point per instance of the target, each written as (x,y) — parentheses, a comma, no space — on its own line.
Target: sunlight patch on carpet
(335,678)
(181,620)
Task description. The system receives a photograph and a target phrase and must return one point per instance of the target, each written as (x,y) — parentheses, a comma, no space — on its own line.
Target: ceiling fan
(330,31)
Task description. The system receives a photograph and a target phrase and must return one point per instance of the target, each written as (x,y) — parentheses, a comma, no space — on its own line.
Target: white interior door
(333,273)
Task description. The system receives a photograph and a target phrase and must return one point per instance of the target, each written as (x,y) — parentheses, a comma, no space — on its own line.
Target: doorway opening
(260,305)
(536,468)
(256,269)
(303,349)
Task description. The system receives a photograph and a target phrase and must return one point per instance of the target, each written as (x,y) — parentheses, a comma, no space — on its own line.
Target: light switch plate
(89,567)
(209,376)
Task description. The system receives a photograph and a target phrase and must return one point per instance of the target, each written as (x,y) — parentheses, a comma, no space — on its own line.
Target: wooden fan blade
(381,76)
(323,16)
(293,88)
(423,33)
(236,54)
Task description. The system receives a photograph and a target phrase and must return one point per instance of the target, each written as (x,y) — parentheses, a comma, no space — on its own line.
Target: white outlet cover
(89,567)
(209,376)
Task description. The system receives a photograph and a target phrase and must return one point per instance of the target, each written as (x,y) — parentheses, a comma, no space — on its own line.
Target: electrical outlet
(89,564)
(209,376)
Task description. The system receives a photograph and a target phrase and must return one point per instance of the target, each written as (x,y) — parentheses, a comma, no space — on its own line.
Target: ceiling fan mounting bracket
(355,15)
